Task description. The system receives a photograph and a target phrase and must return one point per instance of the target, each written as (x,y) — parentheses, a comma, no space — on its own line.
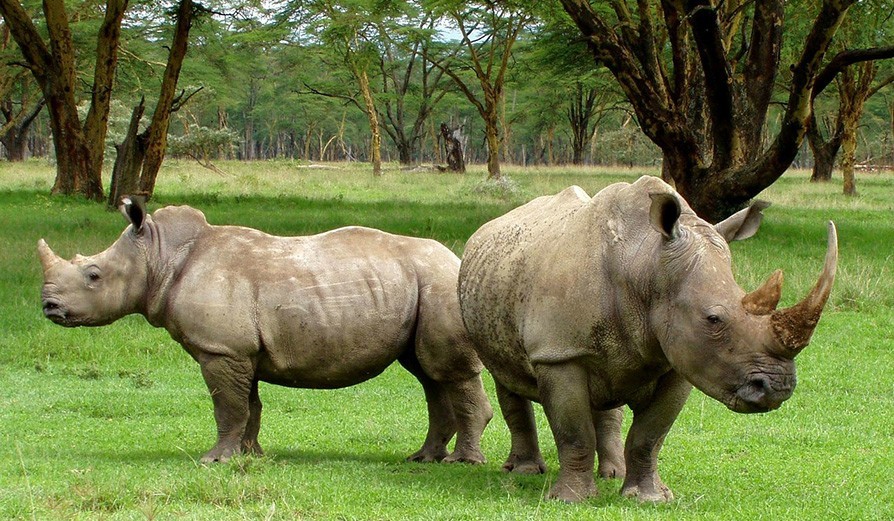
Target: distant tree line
(723,96)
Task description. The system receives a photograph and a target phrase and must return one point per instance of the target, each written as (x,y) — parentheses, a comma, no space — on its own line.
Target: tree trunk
(15,139)
(823,164)
(824,151)
(129,162)
(79,148)
(157,134)
(375,146)
(848,149)
(580,112)
(454,148)
(492,137)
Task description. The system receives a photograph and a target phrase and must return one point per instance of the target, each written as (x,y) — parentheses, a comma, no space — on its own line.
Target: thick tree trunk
(156,138)
(720,173)
(129,162)
(823,164)
(79,148)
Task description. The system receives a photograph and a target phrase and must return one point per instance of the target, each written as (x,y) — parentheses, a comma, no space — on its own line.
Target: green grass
(108,423)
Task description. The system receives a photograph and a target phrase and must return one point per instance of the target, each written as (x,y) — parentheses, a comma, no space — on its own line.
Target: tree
(79,146)
(855,87)
(349,27)
(705,102)
(140,155)
(488,31)
(411,85)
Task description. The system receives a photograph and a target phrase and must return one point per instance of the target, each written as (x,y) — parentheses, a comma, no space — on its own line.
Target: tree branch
(846,58)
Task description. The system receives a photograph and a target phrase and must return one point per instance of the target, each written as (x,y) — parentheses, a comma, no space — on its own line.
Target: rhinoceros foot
(428,455)
(472,456)
(573,488)
(648,491)
(221,453)
(525,465)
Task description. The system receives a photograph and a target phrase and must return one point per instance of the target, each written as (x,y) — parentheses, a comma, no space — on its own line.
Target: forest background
(310,80)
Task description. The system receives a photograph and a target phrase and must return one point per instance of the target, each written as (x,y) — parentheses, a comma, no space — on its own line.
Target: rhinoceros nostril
(52,308)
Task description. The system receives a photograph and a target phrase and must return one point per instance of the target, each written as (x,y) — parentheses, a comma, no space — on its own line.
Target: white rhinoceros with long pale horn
(323,311)
(584,304)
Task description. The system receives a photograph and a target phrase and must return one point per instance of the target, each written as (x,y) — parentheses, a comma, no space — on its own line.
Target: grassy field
(108,423)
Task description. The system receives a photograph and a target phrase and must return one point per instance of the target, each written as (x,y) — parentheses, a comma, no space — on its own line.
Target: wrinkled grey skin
(323,311)
(628,298)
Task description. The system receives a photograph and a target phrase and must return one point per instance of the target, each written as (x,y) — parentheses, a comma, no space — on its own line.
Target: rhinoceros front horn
(794,326)
(47,257)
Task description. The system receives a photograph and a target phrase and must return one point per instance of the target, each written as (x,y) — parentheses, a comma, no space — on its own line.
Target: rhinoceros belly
(335,329)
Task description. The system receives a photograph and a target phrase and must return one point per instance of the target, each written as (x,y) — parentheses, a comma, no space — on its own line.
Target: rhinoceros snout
(53,310)
(762,393)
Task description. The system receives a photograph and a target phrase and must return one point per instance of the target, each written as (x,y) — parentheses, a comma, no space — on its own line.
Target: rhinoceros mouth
(762,392)
(54,310)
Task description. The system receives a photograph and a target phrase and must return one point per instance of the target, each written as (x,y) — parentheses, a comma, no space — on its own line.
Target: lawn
(109,423)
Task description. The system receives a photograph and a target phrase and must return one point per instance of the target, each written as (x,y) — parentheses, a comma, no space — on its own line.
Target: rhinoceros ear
(134,211)
(742,224)
(664,213)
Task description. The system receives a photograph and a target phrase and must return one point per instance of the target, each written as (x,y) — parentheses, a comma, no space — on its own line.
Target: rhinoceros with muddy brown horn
(322,311)
(584,304)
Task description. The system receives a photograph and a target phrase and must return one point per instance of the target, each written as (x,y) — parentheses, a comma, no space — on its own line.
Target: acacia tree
(79,145)
(349,27)
(488,31)
(705,102)
(140,155)
(855,85)
(411,85)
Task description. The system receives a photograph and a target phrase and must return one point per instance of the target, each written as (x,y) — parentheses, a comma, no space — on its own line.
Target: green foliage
(108,423)
(202,142)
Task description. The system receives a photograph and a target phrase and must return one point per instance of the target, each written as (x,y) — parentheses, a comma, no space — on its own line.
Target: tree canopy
(719,94)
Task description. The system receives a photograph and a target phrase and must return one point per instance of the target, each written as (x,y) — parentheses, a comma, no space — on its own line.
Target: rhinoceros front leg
(524,453)
(565,396)
(651,423)
(230,382)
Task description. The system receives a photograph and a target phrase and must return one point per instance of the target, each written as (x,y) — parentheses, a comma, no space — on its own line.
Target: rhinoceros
(322,311)
(586,304)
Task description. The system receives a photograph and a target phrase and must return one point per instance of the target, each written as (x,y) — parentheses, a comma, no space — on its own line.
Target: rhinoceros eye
(93,275)
(714,319)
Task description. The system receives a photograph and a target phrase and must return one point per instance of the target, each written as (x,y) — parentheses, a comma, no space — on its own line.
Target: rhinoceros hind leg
(441,418)
(229,381)
(473,412)
(250,443)
(609,447)
(524,454)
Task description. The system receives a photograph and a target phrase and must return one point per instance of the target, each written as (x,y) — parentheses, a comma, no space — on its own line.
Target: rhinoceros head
(99,289)
(734,346)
